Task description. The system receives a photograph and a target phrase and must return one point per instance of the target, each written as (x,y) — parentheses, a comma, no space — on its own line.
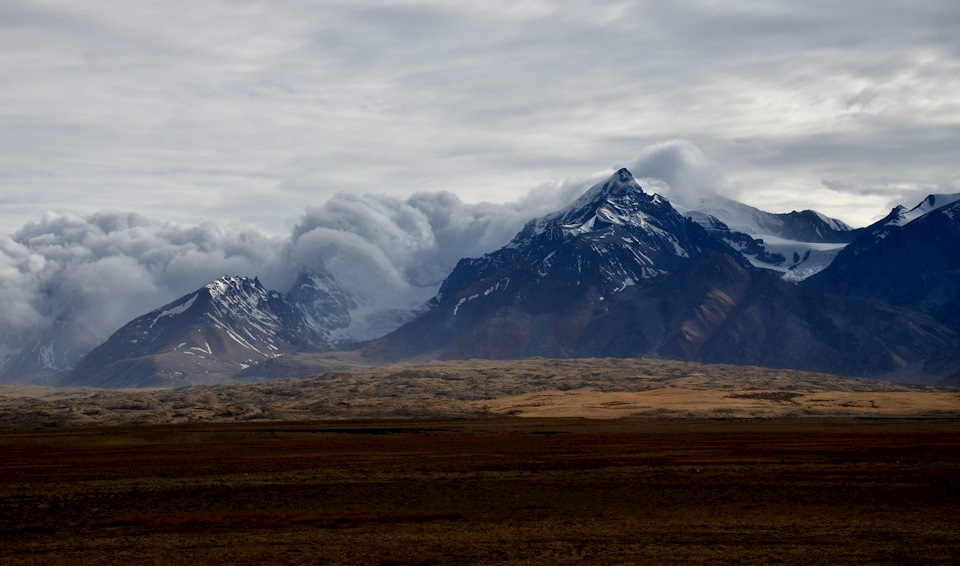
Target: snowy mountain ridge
(615,231)
(901,216)
(621,273)
(805,225)
(796,244)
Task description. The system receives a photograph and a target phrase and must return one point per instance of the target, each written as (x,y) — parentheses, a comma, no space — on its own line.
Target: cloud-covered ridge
(68,281)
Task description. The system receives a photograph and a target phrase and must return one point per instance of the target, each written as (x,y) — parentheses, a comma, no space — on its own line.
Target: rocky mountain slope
(211,334)
(912,264)
(622,273)
(619,272)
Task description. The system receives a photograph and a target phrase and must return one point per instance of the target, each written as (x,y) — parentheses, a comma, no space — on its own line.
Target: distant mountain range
(622,273)
(618,273)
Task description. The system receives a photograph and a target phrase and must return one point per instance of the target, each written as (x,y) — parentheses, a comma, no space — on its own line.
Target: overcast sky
(248,112)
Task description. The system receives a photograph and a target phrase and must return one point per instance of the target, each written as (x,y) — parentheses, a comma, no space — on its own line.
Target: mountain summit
(611,238)
(586,279)
(617,204)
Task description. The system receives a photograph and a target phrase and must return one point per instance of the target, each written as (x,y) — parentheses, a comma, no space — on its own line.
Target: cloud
(680,171)
(252,111)
(68,281)
(392,252)
(105,269)
(19,289)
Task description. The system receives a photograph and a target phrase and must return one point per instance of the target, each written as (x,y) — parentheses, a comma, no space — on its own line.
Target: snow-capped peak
(620,183)
(604,202)
(611,238)
(230,285)
(618,201)
(900,216)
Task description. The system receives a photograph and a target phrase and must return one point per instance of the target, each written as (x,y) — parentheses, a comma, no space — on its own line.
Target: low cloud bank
(102,270)
(107,268)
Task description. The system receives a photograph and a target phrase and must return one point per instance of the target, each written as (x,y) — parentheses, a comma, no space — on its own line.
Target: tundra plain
(485,462)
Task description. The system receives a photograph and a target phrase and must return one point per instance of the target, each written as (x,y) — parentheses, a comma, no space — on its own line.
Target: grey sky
(247,112)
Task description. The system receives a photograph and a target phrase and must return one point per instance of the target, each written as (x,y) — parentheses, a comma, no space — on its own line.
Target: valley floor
(485,491)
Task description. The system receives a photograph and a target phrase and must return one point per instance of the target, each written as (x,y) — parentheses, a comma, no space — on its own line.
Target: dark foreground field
(485,491)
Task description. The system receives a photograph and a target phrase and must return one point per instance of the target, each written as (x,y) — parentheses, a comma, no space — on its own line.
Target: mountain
(42,356)
(802,226)
(615,229)
(912,264)
(211,334)
(901,215)
(621,273)
(326,315)
(915,264)
(324,304)
(796,244)
(946,366)
(586,280)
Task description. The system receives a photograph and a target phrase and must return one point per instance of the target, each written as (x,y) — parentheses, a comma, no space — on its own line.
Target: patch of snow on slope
(803,258)
(737,216)
(47,357)
(179,309)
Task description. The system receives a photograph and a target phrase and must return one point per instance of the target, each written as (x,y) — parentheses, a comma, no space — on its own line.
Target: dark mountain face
(911,266)
(599,278)
(946,365)
(916,265)
(620,273)
(213,333)
(615,236)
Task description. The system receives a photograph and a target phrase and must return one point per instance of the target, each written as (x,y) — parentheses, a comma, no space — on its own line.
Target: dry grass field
(594,388)
(484,462)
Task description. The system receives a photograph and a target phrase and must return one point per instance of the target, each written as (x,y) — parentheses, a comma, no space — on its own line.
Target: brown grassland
(491,463)
(592,388)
